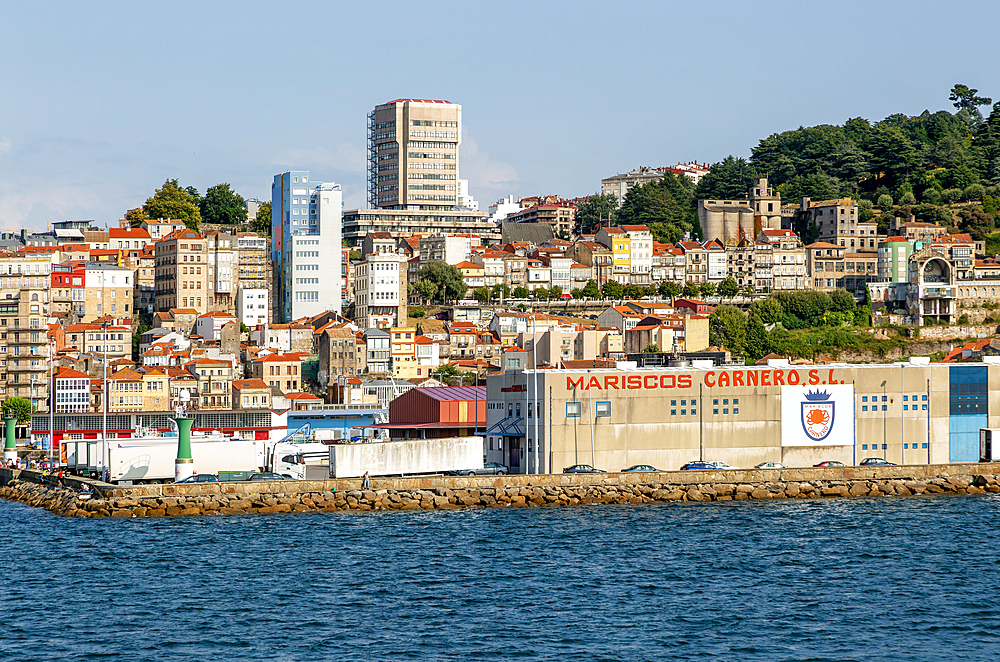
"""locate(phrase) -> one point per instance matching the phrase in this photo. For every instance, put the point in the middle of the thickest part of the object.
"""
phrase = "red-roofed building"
(282, 371)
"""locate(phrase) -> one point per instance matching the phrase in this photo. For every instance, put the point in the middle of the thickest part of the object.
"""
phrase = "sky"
(101, 102)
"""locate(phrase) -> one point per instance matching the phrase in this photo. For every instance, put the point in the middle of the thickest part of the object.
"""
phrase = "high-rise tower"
(413, 154)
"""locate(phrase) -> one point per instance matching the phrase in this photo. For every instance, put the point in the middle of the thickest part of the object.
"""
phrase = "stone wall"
(444, 492)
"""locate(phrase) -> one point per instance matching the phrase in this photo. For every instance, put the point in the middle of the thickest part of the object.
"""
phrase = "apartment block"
(380, 291)
(413, 154)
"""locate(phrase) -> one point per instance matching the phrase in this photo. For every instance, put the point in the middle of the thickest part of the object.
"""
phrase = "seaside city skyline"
(105, 114)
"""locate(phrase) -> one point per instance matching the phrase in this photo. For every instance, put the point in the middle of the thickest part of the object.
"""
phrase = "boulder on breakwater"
(67, 502)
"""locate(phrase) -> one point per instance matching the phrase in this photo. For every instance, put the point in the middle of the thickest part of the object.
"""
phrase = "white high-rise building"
(305, 246)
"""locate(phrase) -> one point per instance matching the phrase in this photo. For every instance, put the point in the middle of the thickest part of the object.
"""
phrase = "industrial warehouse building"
(799, 415)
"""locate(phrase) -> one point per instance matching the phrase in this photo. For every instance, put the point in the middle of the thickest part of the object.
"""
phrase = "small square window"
(864, 407)
(924, 407)
(884, 446)
(864, 398)
(604, 408)
(684, 412)
(864, 447)
(673, 412)
(683, 402)
(736, 410)
(715, 401)
(924, 445)
(573, 409)
(885, 398)
(725, 411)
(904, 398)
(905, 407)
(673, 403)
(725, 401)
(694, 412)
(924, 398)
(736, 401)
(885, 408)
(715, 412)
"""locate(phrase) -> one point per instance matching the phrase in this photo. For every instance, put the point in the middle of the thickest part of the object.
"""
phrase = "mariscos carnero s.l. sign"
(710, 378)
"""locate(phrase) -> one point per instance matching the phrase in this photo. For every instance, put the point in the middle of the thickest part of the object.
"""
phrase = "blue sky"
(103, 101)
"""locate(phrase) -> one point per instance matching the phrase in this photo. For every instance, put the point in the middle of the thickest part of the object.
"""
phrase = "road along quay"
(447, 492)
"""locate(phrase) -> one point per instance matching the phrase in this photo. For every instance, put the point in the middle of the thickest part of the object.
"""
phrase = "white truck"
(406, 457)
(151, 459)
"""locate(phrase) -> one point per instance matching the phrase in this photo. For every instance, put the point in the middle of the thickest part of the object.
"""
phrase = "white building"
(380, 291)
(451, 248)
(466, 201)
(209, 326)
(252, 305)
(503, 208)
(305, 245)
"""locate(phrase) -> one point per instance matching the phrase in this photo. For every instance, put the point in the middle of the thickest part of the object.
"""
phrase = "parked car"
(200, 478)
(582, 469)
(489, 469)
(266, 476)
(639, 467)
(829, 463)
(876, 461)
(770, 465)
(714, 465)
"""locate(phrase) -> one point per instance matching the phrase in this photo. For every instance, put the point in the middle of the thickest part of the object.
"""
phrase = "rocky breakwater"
(66, 502)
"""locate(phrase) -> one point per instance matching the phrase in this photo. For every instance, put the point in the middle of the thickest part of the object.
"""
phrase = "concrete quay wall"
(444, 492)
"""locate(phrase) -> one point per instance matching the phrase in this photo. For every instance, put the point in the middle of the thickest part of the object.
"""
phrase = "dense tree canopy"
(665, 206)
(261, 223)
(597, 209)
(173, 202)
(19, 408)
(223, 205)
(440, 281)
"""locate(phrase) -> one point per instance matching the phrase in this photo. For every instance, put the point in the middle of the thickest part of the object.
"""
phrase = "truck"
(405, 457)
(151, 460)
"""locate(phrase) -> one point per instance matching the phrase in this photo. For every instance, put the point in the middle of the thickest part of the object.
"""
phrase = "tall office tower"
(305, 246)
(413, 155)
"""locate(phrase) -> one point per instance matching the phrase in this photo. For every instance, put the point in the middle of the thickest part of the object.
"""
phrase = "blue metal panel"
(963, 435)
(968, 407)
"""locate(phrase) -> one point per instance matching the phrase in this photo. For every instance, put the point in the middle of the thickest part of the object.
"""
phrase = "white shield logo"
(817, 419)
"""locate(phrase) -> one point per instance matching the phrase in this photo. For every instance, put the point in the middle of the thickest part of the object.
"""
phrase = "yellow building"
(155, 391)
(403, 351)
(620, 244)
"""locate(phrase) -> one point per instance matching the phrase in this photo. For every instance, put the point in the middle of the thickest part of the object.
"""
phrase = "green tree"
(555, 292)
(354, 254)
(651, 348)
(768, 310)
(612, 290)
(173, 202)
(261, 223)
(576, 293)
(427, 289)
(540, 293)
(135, 217)
(727, 327)
(590, 290)
(19, 408)
(965, 98)
(884, 202)
(501, 291)
(707, 289)
(595, 210)
(482, 295)
(449, 285)
(669, 290)
(632, 291)
(730, 179)
(521, 292)
(728, 288)
(691, 290)
(758, 343)
(137, 336)
(908, 198)
(665, 206)
(223, 205)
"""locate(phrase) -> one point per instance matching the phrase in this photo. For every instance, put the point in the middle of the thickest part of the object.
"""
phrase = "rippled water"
(846, 579)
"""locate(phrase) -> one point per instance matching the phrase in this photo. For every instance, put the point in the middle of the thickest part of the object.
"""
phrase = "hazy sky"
(100, 102)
